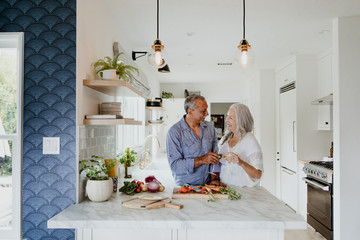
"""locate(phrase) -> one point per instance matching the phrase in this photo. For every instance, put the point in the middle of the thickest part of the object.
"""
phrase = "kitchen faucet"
(145, 155)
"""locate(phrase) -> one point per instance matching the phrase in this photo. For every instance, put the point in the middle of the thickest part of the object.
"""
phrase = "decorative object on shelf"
(110, 108)
(154, 102)
(124, 72)
(186, 93)
(157, 55)
(127, 159)
(167, 95)
(99, 186)
(245, 56)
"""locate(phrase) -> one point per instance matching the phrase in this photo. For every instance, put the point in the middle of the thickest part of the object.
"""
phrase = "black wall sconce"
(137, 54)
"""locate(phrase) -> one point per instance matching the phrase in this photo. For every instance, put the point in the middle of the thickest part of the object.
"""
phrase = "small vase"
(109, 74)
(99, 190)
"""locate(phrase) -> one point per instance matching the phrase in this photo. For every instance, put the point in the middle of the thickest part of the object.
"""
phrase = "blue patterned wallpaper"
(48, 184)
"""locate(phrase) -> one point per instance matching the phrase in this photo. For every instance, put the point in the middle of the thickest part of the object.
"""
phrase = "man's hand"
(209, 158)
(215, 180)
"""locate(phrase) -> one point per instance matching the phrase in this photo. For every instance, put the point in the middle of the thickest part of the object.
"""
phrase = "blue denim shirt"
(182, 146)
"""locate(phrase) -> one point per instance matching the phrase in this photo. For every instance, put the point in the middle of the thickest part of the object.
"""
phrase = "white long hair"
(244, 121)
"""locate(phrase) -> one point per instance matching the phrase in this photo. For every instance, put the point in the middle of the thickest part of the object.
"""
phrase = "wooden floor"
(308, 234)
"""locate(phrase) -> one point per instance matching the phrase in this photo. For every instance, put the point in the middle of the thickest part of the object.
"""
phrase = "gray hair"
(190, 101)
(244, 121)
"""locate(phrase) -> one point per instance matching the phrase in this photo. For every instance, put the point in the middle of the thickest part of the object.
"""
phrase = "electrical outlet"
(51, 145)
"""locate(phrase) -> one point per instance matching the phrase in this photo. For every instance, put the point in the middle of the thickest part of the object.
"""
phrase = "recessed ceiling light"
(225, 64)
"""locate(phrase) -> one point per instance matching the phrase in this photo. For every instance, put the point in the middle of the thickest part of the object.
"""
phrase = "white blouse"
(248, 149)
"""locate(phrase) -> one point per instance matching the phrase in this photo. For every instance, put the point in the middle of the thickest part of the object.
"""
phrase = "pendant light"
(157, 56)
(244, 56)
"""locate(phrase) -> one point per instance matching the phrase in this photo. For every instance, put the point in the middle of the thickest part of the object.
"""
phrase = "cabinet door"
(287, 74)
(289, 189)
(287, 115)
(325, 75)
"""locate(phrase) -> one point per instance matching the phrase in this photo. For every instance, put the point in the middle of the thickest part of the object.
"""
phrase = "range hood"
(327, 100)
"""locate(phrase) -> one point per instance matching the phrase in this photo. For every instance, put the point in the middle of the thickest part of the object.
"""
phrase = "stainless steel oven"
(319, 182)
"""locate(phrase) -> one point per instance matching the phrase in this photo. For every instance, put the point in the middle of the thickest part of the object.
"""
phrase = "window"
(11, 89)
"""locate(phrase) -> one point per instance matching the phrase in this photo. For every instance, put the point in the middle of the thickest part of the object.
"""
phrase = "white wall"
(267, 138)
(95, 38)
(213, 92)
(346, 83)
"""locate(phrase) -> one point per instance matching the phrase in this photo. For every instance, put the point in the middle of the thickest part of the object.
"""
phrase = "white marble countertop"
(257, 209)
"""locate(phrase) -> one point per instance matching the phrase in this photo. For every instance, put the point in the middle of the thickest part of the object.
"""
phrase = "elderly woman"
(243, 164)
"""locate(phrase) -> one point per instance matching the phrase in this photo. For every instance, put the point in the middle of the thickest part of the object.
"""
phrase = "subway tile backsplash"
(95, 140)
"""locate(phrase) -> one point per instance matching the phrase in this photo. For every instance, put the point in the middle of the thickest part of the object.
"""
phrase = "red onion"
(153, 186)
(152, 179)
(149, 179)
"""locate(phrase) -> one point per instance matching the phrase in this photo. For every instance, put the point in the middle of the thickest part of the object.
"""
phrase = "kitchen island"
(257, 215)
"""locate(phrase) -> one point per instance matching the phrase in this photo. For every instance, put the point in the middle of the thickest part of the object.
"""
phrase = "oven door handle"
(316, 184)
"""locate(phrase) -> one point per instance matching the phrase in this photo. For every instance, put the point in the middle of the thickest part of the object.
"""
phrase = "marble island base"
(258, 215)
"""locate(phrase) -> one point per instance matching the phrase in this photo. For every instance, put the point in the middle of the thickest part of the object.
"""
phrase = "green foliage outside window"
(8, 86)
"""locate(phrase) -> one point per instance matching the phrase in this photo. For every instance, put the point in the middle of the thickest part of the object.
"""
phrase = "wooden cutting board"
(138, 203)
(195, 195)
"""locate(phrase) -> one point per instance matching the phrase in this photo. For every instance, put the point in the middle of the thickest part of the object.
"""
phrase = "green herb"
(233, 195)
(96, 169)
(129, 188)
(212, 198)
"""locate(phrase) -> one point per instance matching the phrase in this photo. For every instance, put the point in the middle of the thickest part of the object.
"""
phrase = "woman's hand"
(250, 170)
(232, 157)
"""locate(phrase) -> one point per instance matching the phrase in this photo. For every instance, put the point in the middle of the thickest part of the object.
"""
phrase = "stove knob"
(323, 175)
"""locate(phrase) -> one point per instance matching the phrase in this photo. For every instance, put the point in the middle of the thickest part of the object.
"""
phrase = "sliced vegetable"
(153, 186)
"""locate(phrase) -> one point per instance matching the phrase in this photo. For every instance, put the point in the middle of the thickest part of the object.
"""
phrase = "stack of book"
(110, 108)
(104, 116)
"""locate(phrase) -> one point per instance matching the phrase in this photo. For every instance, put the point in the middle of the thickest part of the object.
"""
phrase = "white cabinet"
(287, 111)
(288, 157)
(325, 89)
(287, 74)
(325, 74)
(289, 190)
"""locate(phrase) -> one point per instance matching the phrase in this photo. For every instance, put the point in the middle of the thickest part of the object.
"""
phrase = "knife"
(144, 206)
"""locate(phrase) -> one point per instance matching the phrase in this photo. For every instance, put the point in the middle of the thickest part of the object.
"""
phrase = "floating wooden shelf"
(113, 87)
(123, 121)
(154, 124)
(154, 108)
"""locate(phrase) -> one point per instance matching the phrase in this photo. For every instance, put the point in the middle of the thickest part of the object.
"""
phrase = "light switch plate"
(51, 145)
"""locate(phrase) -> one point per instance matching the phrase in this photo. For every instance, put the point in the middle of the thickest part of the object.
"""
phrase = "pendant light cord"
(243, 19)
(157, 19)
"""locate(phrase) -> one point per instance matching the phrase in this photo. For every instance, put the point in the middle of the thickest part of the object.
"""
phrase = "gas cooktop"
(325, 164)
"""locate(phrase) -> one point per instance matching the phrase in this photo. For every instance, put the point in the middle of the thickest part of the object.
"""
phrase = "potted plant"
(117, 67)
(99, 186)
(127, 159)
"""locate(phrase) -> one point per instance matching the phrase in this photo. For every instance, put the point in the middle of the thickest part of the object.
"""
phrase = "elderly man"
(191, 144)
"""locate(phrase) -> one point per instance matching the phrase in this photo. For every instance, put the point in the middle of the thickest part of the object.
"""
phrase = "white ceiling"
(198, 34)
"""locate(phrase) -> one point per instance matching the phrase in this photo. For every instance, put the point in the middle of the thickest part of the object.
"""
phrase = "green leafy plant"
(95, 168)
(167, 95)
(128, 157)
(125, 72)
